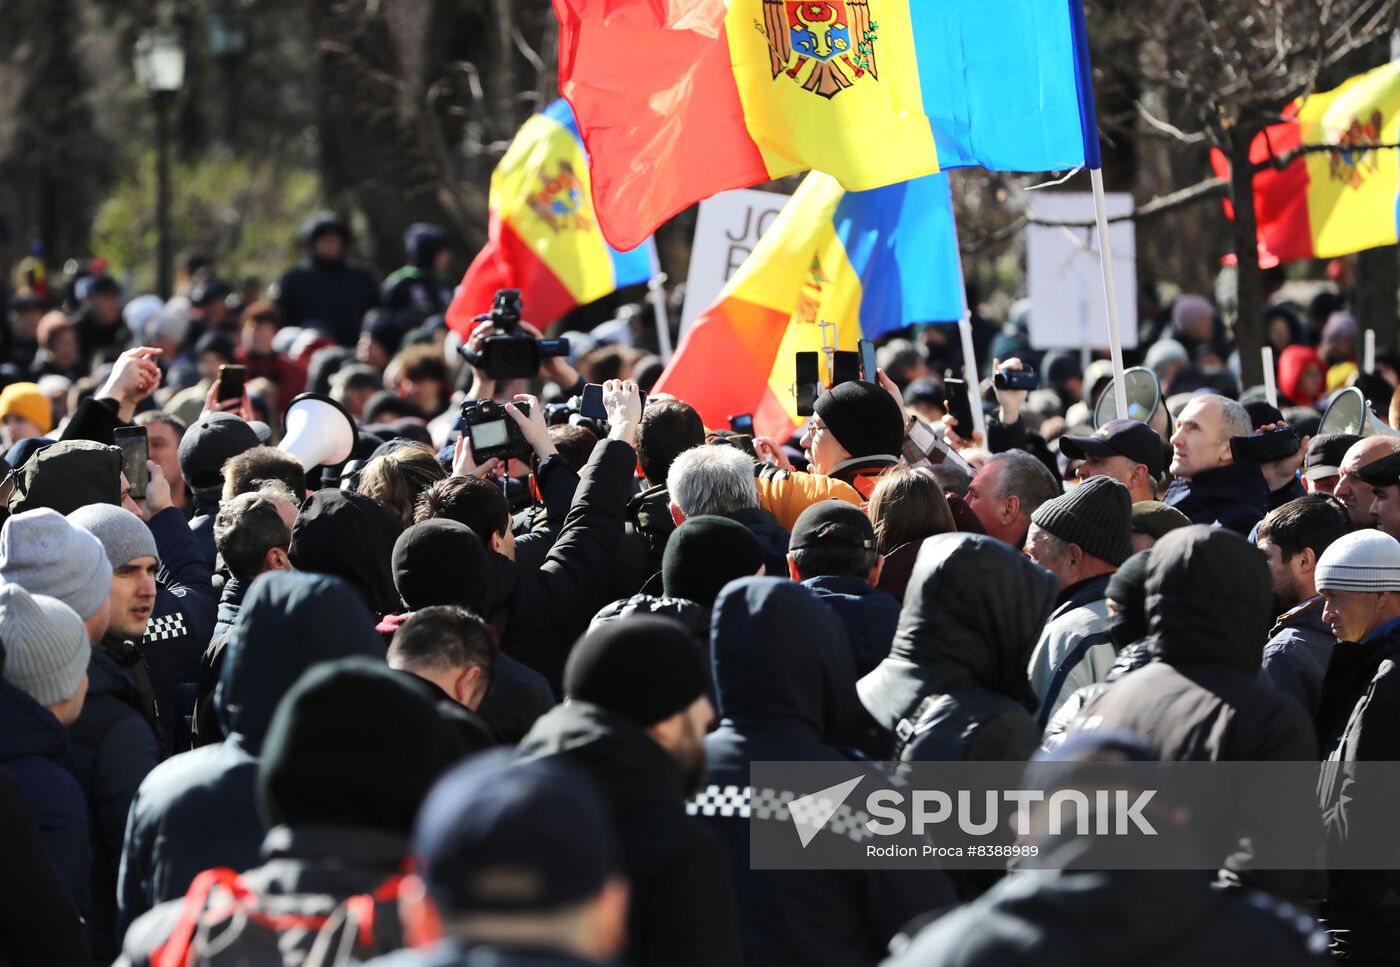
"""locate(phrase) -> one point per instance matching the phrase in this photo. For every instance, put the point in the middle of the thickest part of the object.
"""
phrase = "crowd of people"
(418, 708)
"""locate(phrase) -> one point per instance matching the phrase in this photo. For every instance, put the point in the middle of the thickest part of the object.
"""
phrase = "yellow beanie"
(1340, 375)
(25, 400)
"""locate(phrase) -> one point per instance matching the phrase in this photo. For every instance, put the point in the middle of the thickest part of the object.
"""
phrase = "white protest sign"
(729, 225)
(1065, 281)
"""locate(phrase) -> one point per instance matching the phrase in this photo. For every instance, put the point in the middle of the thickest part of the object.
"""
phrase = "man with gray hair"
(1210, 487)
(1007, 490)
(718, 480)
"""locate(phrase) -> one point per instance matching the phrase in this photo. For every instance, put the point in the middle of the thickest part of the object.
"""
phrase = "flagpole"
(970, 376)
(656, 290)
(1110, 294)
(1368, 358)
(1270, 380)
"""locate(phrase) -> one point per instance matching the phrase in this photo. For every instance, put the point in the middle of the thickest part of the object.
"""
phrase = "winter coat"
(1358, 721)
(1074, 650)
(772, 538)
(1235, 497)
(414, 290)
(518, 696)
(1086, 918)
(206, 508)
(181, 624)
(332, 295)
(1289, 491)
(350, 536)
(870, 616)
(114, 749)
(785, 679)
(308, 870)
(787, 493)
(1297, 653)
(230, 600)
(863, 473)
(649, 526)
(205, 728)
(695, 617)
(33, 751)
(39, 921)
(954, 686)
(682, 902)
(457, 953)
(1208, 602)
(288, 623)
(540, 614)
(557, 482)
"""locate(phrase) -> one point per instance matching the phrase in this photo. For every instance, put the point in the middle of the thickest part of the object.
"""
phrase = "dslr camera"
(511, 353)
(492, 432)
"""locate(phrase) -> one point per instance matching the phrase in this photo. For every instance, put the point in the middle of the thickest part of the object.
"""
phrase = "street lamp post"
(160, 70)
(227, 41)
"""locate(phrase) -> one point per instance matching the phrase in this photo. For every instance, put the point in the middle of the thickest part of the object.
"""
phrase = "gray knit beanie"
(46, 646)
(1097, 515)
(44, 554)
(123, 535)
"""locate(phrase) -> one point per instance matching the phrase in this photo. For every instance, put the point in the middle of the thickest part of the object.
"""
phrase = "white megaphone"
(320, 432)
(1350, 413)
(1144, 402)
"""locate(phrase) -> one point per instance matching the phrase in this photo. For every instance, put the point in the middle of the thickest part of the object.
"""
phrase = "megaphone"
(1144, 402)
(1350, 413)
(320, 432)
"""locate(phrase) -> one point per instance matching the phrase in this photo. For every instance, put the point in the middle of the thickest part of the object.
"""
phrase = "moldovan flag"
(871, 262)
(544, 238)
(1329, 203)
(680, 100)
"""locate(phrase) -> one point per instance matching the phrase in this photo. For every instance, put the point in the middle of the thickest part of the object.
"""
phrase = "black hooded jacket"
(682, 900)
(334, 295)
(1235, 497)
(288, 623)
(955, 686)
(350, 536)
(786, 684)
(1209, 609)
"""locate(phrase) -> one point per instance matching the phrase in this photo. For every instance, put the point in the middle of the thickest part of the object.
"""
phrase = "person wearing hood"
(1210, 487)
(855, 435)
(635, 719)
(44, 659)
(833, 553)
(162, 601)
(1166, 358)
(954, 686)
(1080, 538)
(718, 481)
(1359, 577)
(350, 536)
(516, 695)
(1067, 913)
(1339, 339)
(326, 290)
(703, 555)
(289, 622)
(1200, 699)
(1302, 375)
(337, 791)
(1293, 539)
(67, 475)
(784, 678)
(422, 287)
(206, 446)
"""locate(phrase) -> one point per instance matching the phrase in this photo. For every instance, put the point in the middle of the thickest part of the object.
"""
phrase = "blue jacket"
(197, 810)
(870, 616)
(33, 745)
(1235, 497)
(1297, 654)
(786, 684)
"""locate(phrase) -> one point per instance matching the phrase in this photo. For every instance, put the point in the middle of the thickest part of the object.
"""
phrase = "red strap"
(176, 950)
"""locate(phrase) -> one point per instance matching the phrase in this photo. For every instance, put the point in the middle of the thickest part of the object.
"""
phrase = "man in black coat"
(327, 290)
(337, 791)
(1358, 720)
(1210, 487)
(635, 721)
(1209, 604)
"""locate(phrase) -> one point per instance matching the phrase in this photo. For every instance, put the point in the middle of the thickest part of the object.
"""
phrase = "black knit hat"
(706, 553)
(423, 577)
(1097, 515)
(327, 761)
(864, 419)
(644, 668)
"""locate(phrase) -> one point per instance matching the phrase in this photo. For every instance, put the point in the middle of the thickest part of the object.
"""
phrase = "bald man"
(1352, 491)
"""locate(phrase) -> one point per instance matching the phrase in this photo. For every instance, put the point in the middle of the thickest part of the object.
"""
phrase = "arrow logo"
(812, 812)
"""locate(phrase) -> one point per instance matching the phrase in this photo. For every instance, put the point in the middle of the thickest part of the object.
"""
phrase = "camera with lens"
(511, 353)
(492, 431)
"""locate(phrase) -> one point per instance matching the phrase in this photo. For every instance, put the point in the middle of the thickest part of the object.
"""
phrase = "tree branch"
(1280, 161)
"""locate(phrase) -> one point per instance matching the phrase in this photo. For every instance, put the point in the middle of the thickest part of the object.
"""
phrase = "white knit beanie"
(46, 646)
(1361, 561)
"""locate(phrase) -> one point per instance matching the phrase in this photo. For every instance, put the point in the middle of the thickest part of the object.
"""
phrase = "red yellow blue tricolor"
(1329, 203)
(544, 238)
(870, 262)
(678, 101)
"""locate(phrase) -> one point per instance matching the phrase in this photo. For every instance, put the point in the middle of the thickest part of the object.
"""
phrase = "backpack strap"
(176, 949)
